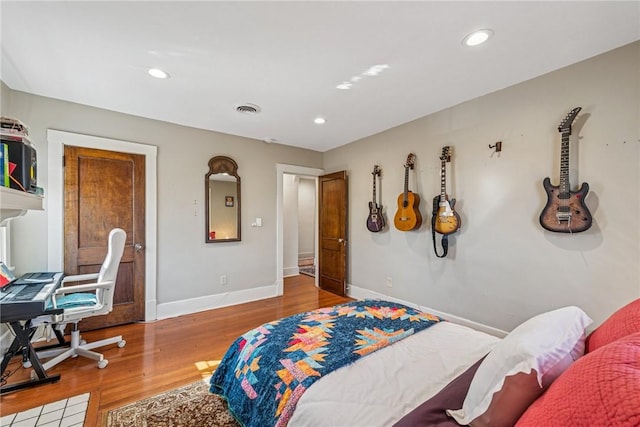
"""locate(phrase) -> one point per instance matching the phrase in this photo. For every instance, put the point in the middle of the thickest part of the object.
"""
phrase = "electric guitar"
(446, 220)
(375, 220)
(565, 211)
(408, 215)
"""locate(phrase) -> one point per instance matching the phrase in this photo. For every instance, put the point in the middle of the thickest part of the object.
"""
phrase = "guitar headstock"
(411, 160)
(446, 154)
(565, 126)
(376, 170)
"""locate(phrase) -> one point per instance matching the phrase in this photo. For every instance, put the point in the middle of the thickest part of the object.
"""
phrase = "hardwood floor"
(161, 355)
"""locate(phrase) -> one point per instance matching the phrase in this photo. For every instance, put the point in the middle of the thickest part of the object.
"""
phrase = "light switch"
(258, 222)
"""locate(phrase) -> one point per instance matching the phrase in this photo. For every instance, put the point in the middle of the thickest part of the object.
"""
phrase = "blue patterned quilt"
(266, 370)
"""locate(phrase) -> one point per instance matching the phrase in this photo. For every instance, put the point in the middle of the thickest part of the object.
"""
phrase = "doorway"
(299, 256)
(55, 203)
(104, 190)
(282, 169)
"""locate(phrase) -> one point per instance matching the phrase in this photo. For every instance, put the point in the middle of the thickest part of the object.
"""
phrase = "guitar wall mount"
(497, 146)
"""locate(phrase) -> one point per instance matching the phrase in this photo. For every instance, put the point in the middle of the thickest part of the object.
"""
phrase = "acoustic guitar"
(447, 220)
(408, 215)
(375, 220)
(565, 211)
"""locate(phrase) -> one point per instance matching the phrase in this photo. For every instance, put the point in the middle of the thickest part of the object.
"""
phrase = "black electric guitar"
(446, 220)
(565, 211)
(375, 220)
(408, 215)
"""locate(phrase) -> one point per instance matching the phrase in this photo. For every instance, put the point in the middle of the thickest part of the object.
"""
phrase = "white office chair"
(85, 300)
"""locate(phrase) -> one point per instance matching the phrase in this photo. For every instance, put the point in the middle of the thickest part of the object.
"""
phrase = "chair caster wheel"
(33, 375)
(122, 343)
(103, 364)
(26, 364)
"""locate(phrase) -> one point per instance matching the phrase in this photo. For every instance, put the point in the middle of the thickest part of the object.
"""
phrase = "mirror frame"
(225, 165)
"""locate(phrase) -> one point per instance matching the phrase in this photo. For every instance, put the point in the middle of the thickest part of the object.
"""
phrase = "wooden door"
(104, 190)
(332, 260)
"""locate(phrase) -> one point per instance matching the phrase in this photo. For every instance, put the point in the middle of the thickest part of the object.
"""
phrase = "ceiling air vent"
(248, 108)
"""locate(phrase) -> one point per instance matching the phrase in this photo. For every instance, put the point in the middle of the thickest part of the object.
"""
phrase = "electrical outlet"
(223, 279)
(389, 282)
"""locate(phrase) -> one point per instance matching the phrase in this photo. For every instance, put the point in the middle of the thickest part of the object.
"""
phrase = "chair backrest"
(109, 270)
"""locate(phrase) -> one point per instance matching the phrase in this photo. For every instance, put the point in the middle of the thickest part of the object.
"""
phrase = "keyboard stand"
(22, 345)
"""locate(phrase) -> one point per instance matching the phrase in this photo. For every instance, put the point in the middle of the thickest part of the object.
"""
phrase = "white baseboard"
(361, 293)
(209, 302)
(290, 271)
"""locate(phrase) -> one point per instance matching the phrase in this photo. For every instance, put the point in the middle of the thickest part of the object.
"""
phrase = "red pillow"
(623, 322)
(600, 389)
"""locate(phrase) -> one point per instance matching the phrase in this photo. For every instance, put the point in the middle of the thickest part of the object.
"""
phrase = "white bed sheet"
(379, 389)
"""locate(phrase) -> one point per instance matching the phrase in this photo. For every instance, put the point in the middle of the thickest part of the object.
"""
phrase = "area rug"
(191, 405)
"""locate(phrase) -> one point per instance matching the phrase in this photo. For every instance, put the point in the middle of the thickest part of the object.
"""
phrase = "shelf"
(15, 203)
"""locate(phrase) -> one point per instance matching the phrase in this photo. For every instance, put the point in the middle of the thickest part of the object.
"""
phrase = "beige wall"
(290, 224)
(307, 218)
(502, 266)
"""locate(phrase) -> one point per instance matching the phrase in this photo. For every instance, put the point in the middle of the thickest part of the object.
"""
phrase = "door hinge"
(64, 161)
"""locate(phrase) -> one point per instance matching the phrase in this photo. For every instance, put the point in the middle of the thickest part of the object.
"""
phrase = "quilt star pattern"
(265, 371)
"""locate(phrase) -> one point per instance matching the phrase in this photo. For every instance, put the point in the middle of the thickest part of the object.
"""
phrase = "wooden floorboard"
(161, 355)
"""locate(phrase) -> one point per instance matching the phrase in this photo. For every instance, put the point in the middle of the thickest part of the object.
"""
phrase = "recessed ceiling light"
(319, 120)
(158, 73)
(477, 37)
(344, 86)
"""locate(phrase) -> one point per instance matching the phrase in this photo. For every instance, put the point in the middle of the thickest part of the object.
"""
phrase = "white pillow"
(543, 343)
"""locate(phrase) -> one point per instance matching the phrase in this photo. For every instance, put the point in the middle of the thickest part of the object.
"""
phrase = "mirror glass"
(222, 201)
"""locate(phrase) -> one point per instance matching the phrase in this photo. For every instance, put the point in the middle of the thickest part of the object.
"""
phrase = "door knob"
(138, 247)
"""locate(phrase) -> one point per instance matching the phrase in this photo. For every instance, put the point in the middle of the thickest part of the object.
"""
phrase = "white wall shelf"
(15, 203)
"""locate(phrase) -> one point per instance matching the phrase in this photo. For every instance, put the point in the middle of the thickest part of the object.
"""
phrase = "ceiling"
(288, 57)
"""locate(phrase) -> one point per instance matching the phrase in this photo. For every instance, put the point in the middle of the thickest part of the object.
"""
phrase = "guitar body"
(408, 215)
(565, 213)
(375, 220)
(447, 220)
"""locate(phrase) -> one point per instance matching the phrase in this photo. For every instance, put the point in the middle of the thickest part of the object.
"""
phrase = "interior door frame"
(281, 169)
(54, 202)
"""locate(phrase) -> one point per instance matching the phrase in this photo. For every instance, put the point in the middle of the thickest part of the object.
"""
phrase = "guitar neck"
(443, 185)
(406, 184)
(565, 188)
(374, 188)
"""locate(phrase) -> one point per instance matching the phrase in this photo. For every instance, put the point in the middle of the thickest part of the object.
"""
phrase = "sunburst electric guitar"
(446, 219)
(408, 216)
(565, 211)
(375, 220)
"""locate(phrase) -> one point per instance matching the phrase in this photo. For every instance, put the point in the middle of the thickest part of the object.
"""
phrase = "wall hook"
(497, 146)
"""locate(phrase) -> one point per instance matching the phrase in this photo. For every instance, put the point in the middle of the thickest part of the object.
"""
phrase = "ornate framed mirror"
(222, 201)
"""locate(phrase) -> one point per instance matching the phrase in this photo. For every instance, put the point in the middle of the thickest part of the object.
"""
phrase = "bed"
(401, 367)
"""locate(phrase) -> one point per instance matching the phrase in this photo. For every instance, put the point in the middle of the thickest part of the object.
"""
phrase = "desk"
(17, 315)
